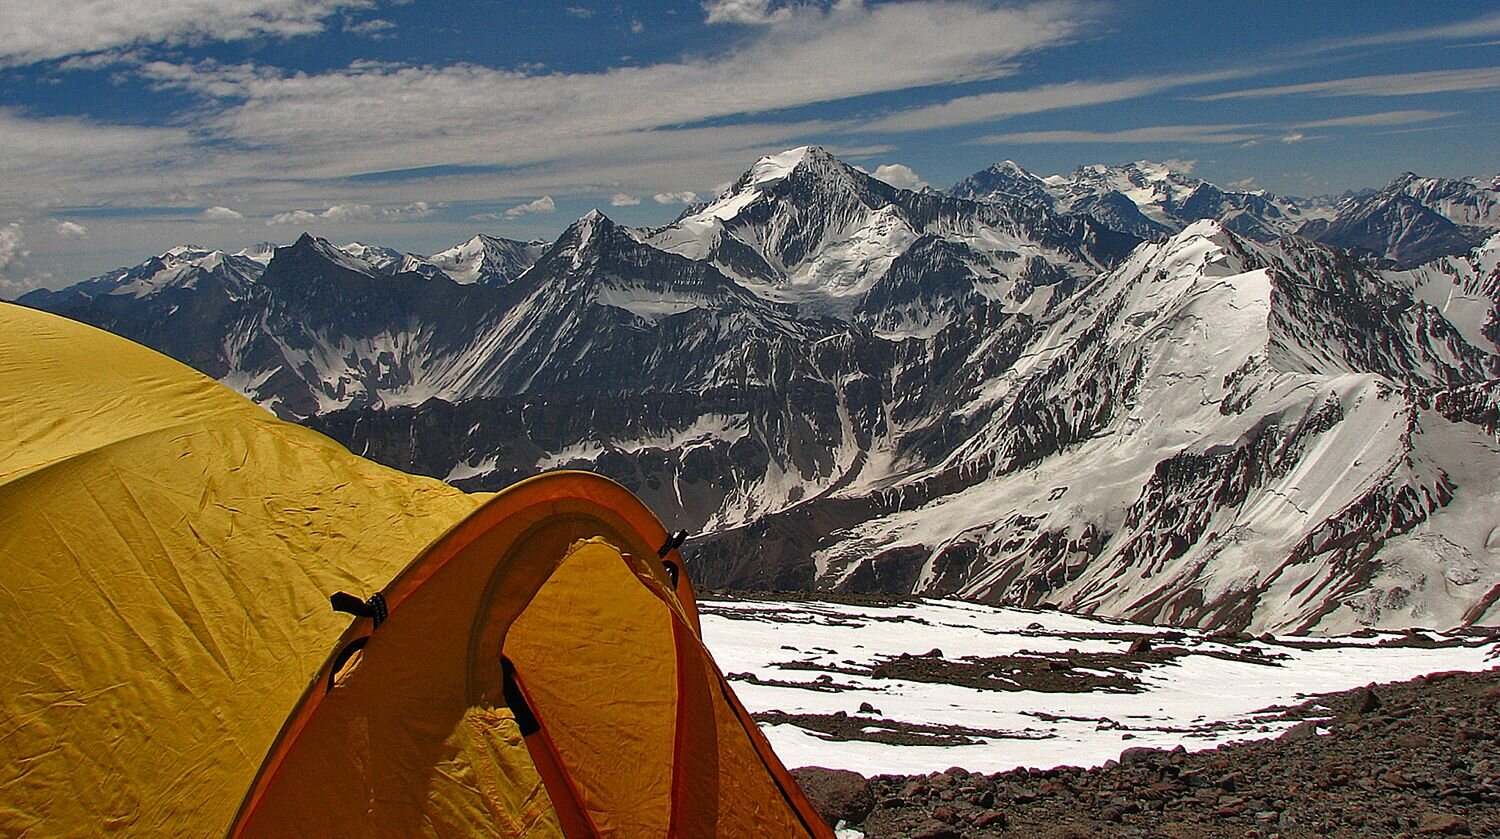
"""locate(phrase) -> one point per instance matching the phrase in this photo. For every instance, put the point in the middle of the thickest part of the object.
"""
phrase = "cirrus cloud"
(41, 31)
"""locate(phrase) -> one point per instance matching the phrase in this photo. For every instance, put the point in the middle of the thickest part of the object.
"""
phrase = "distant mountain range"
(1411, 221)
(1125, 391)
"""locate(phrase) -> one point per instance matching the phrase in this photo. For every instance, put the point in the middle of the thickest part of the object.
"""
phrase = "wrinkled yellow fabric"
(595, 651)
(488, 786)
(167, 549)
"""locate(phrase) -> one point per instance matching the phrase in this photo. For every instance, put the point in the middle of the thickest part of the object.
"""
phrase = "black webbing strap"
(673, 542)
(374, 608)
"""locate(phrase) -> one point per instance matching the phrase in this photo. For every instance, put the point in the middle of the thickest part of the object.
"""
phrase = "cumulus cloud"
(620, 199)
(579, 11)
(350, 213)
(414, 210)
(750, 12)
(377, 29)
(636, 26)
(684, 197)
(222, 214)
(12, 245)
(292, 217)
(71, 230)
(541, 206)
(899, 175)
(42, 31)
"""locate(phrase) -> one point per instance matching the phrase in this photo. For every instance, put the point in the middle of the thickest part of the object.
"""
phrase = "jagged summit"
(804, 227)
(487, 260)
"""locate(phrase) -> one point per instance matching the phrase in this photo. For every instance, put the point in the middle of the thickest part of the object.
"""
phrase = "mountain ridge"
(843, 385)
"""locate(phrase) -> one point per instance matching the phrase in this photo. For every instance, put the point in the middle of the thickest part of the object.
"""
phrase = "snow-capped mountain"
(186, 268)
(1414, 220)
(1203, 437)
(1149, 200)
(803, 227)
(838, 384)
(389, 261)
(488, 260)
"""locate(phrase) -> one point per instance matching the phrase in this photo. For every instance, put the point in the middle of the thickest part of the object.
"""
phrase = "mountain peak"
(310, 246)
(773, 169)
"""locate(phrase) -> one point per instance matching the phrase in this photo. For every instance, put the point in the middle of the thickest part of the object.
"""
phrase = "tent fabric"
(638, 732)
(166, 553)
(171, 665)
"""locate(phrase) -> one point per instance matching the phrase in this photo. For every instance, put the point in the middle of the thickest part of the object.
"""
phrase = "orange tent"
(171, 665)
(543, 619)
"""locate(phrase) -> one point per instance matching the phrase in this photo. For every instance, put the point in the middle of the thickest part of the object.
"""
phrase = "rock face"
(1416, 220)
(842, 385)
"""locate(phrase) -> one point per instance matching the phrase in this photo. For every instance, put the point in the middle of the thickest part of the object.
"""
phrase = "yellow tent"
(171, 666)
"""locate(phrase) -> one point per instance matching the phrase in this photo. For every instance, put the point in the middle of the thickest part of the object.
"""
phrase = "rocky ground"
(1412, 759)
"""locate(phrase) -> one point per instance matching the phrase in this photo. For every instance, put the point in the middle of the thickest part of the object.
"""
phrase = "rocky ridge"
(1411, 759)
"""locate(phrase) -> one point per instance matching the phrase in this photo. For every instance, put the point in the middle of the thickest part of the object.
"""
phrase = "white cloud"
(899, 175)
(1395, 84)
(636, 26)
(42, 31)
(988, 107)
(818, 56)
(293, 217)
(343, 214)
(62, 161)
(1382, 118)
(1293, 137)
(12, 245)
(414, 210)
(1486, 25)
(1151, 134)
(348, 212)
(620, 199)
(71, 230)
(751, 12)
(579, 11)
(1177, 164)
(541, 206)
(377, 29)
(222, 214)
(684, 197)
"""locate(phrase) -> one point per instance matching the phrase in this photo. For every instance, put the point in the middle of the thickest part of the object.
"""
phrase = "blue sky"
(128, 127)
